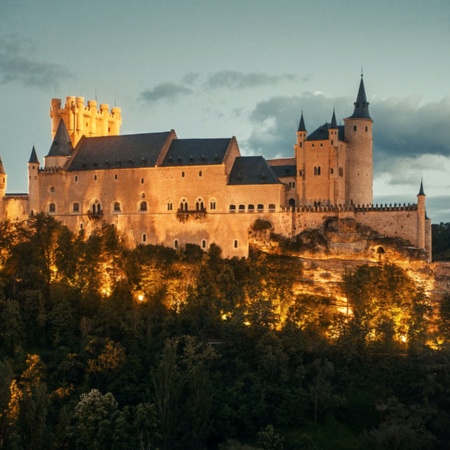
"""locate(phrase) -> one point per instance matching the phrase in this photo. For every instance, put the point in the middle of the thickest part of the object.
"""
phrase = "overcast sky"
(244, 68)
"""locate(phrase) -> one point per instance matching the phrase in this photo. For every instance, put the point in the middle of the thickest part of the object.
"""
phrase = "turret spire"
(33, 157)
(61, 145)
(421, 191)
(333, 120)
(301, 125)
(361, 110)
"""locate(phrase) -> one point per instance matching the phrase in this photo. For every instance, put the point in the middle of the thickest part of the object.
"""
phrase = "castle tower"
(358, 159)
(421, 217)
(61, 148)
(33, 183)
(335, 182)
(299, 152)
(85, 121)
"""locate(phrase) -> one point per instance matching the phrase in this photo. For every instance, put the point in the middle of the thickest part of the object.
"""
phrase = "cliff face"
(344, 244)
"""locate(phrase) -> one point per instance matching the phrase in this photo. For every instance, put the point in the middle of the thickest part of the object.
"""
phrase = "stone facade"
(158, 189)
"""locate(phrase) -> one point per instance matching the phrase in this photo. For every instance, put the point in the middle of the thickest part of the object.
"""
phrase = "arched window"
(271, 207)
(143, 206)
(241, 208)
(291, 203)
(184, 205)
(260, 207)
(52, 208)
(251, 208)
(116, 207)
(96, 207)
(232, 208)
(199, 205)
(212, 204)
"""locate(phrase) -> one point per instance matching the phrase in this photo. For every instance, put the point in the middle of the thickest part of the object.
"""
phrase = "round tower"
(33, 183)
(358, 160)
(55, 114)
(299, 152)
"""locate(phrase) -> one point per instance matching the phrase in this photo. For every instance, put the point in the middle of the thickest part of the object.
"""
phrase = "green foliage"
(441, 241)
(157, 348)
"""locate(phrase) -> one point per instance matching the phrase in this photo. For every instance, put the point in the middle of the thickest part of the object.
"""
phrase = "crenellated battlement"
(353, 208)
(85, 120)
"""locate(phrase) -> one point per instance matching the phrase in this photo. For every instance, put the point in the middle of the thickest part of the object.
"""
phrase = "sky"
(244, 68)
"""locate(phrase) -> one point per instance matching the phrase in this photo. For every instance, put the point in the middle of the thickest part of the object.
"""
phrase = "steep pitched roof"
(322, 133)
(115, 152)
(333, 124)
(191, 152)
(301, 125)
(361, 110)
(421, 191)
(61, 145)
(251, 170)
(33, 157)
(2, 169)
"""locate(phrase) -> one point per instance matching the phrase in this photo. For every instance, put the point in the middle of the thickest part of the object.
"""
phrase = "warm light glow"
(140, 297)
(403, 338)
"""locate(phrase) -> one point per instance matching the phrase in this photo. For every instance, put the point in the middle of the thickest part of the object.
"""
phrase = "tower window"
(142, 181)
(182, 174)
(169, 206)
(354, 128)
(341, 172)
(143, 206)
(115, 176)
(200, 173)
(52, 208)
(367, 128)
(75, 207)
(144, 237)
(95, 177)
(116, 207)
(175, 243)
(76, 177)
(203, 243)
(236, 243)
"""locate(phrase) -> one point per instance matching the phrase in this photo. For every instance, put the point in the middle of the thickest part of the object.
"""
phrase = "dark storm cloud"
(165, 91)
(404, 130)
(17, 64)
(238, 80)
(275, 121)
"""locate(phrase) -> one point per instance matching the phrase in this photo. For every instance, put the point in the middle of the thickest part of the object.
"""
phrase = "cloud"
(232, 79)
(165, 91)
(406, 132)
(18, 65)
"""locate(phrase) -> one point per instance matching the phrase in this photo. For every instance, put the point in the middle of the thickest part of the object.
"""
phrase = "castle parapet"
(84, 120)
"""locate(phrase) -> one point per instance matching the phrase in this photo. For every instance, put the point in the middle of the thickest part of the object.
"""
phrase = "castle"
(158, 189)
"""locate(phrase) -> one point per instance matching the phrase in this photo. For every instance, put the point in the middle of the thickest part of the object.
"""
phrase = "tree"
(94, 418)
(388, 308)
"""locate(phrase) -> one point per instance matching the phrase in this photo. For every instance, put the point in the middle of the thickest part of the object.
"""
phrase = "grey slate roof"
(251, 170)
(2, 170)
(284, 171)
(301, 125)
(61, 145)
(361, 110)
(191, 152)
(322, 133)
(115, 152)
(33, 157)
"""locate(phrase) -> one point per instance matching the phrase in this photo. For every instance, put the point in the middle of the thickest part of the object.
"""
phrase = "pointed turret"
(61, 148)
(421, 191)
(3, 178)
(61, 145)
(361, 110)
(301, 125)
(333, 121)
(2, 169)
(33, 157)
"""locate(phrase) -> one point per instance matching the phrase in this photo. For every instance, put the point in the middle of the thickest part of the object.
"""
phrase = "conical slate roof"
(361, 110)
(421, 191)
(2, 169)
(301, 125)
(333, 124)
(61, 145)
(33, 157)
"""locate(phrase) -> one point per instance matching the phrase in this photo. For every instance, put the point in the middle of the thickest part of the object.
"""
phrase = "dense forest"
(102, 347)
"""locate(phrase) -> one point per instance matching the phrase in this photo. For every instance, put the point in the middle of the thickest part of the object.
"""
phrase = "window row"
(251, 208)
